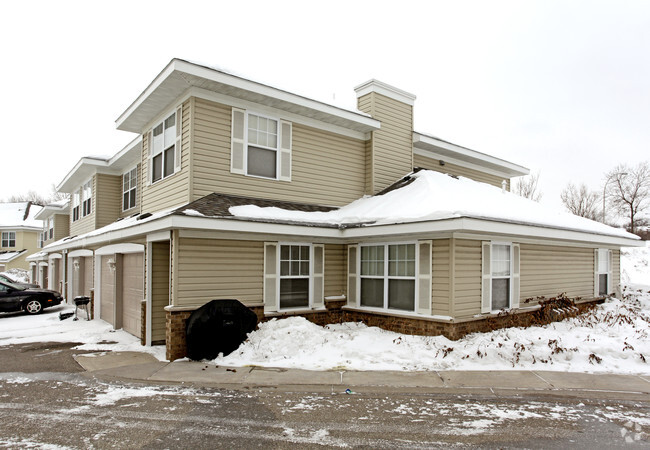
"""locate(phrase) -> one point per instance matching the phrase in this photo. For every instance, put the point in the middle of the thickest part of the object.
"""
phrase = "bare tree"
(30, 196)
(581, 201)
(528, 187)
(628, 189)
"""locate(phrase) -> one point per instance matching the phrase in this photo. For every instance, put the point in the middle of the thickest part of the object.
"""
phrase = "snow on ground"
(635, 266)
(19, 328)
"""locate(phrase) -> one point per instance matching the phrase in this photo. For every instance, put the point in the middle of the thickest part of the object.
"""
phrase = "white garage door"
(107, 290)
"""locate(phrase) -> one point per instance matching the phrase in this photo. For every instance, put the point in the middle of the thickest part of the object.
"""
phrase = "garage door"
(132, 291)
(107, 295)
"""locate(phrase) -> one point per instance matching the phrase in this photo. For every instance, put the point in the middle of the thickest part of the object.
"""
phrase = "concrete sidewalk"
(144, 367)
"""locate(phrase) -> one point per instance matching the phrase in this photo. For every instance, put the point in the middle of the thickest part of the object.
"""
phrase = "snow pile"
(436, 196)
(614, 337)
(19, 328)
(635, 267)
(19, 275)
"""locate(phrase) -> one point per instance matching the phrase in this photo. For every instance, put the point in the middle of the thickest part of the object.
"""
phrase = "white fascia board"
(461, 163)
(130, 153)
(85, 168)
(273, 112)
(119, 248)
(49, 210)
(184, 67)
(386, 90)
(513, 169)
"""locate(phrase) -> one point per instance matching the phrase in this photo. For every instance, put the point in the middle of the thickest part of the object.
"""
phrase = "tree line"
(625, 193)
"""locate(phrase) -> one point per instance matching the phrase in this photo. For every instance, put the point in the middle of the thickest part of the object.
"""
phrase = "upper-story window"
(165, 147)
(76, 202)
(261, 146)
(50, 227)
(129, 189)
(41, 239)
(87, 195)
(9, 239)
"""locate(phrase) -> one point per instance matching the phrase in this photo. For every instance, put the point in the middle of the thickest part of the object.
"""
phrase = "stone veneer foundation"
(337, 313)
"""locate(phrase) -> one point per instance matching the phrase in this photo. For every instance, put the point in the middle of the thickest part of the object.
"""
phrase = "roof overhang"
(179, 76)
(50, 210)
(446, 151)
(10, 256)
(90, 165)
(247, 229)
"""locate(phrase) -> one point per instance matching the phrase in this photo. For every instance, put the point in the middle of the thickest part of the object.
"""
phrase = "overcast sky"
(561, 87)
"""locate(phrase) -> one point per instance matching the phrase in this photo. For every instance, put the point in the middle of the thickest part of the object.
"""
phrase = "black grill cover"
(219, 326)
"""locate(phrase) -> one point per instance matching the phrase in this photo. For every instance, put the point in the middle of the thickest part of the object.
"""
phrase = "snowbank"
(635, 267)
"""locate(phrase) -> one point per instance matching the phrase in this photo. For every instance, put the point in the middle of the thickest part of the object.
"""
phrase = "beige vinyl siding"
(441, 277)
(89, 270)
(27, 240)
(61, 226)
(159, 290)
(174, 189)
(453, 169)
(84, 224)
(551, 270)
(211, 269)
(109, 199)
(317, 157)
(616, 271)
(335, 269)
(138, 194)
(467, 278)
(392, 145)
(107, 297)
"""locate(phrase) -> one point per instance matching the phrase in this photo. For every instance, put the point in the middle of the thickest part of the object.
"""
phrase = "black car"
(6, 278)
(30, 300)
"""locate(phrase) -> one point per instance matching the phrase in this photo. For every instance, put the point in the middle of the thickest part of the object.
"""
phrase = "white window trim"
(310, 294)
(608, 254)
(50, 228)
(386, 277)
(76, 203)
(178, 141)
(8, 239)
(279, 149)
(137, 176)
(509, 277)
(83, 199)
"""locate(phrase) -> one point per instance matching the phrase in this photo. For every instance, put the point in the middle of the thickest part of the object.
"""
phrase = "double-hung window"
(41, 239)
(261, 146)
(76, 202)
(603, 272)
(9, 239)
(129, 189)
(165, 147)
(501, 275)
(86, 201)
(294, 276)
(50, 226)
(388, 276)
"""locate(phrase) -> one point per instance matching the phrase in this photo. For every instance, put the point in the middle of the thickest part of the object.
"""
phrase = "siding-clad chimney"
(390, 149)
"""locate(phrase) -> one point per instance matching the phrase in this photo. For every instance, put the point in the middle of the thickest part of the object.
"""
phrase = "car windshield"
(5, 284)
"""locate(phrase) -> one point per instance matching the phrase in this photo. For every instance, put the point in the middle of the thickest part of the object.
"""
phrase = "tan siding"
(159, 289)
(317, 157)
(616, 271)
(441, 274)
(453, 169)
(170, 191)
(214, 269)
(392, 145)
(107, 297)
(108, 199)
(467, 278)
(550, 270)
(61, 226)
(335, 269)
(24, 240)
(89, 270)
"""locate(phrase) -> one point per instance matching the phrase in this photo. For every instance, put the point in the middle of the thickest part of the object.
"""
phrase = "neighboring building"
(20, 234)
(234, 189)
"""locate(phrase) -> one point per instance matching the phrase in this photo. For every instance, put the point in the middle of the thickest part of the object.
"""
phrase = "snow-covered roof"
(57, 207)
(20, 215)
(38, 256)
(5, 257)
(429, 196)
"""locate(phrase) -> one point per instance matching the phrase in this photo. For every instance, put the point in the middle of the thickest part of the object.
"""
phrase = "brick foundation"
(335, 313)
(143, 322)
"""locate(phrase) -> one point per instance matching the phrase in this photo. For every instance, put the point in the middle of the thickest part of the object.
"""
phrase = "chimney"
(389, 151)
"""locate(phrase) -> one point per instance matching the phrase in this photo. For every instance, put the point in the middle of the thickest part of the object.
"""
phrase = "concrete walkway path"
(144, 367)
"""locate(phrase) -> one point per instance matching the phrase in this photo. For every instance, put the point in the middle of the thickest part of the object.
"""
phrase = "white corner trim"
(385, 89)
